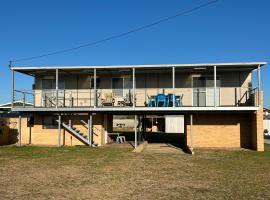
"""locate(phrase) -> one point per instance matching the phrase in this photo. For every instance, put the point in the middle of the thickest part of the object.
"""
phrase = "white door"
(174, 123)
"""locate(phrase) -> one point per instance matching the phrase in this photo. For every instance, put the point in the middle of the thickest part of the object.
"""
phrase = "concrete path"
(162, 148)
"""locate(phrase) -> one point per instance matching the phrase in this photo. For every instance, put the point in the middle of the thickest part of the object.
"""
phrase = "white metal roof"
(236, 64)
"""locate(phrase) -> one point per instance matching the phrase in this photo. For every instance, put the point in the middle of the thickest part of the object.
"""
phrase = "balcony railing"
(141, 97)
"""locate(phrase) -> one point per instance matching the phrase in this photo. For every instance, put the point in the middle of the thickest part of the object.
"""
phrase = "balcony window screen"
(49, 84)
(121, 86)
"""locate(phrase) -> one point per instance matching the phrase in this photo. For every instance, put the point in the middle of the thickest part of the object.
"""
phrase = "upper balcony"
(204, 87)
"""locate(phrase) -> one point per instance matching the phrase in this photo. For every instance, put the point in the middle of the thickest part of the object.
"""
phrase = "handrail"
(24, 92)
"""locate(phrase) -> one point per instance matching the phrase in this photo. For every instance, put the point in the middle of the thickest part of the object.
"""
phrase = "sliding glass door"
(121, 86)
(203, 91)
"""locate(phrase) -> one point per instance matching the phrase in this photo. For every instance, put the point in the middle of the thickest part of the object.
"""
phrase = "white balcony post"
(56, 87)
(90, 130)
(191, 124)
(135, 132)
(259, 84)
(20, 131)
(59, 130)
(12, 88)
(215, 86)
(133, 87)
(95, 88)
(173, 85)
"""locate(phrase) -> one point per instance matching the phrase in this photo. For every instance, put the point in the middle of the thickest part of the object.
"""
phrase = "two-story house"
(220, 102)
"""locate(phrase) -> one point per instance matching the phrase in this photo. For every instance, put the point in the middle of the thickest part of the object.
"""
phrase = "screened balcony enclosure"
(141, 86)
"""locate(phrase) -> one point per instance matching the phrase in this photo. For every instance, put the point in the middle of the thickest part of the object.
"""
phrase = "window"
(49, 122)
(49, 84)
(121, 86)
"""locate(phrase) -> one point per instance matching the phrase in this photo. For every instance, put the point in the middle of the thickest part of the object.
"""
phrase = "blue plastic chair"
(161, 100)
(151, 101)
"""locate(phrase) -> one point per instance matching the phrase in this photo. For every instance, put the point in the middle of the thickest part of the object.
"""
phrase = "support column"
(133, 87)
(259, 84)
(20, 131)
(191, 124)
(56, 87)
(95, 88)
(135, 130)
(215, 86)
(30, 130)
(12, 87)
(173, 85)
(90, 130)
(59, 130)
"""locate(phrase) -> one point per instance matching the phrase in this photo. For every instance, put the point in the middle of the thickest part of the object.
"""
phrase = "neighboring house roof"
(15, 103)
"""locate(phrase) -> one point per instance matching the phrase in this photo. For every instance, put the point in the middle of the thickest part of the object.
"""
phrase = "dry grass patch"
(111, 173)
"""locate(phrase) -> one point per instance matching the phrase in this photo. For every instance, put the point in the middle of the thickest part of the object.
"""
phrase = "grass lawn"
(111, 173)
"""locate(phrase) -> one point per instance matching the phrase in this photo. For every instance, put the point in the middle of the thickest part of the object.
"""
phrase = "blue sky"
(227, 31)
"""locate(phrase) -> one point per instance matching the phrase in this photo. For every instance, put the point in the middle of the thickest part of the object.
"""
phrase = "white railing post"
(173, 85)
(95, 87)
(133, 87)
(215, 86)
(12, 86)
(259, 84)
(56, 87)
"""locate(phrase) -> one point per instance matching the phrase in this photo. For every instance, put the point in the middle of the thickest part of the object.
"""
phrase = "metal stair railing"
(76, 133)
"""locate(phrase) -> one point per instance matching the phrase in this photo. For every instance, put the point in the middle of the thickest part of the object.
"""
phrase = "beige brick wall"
(227, 130)
(49, 137)
(257, 126)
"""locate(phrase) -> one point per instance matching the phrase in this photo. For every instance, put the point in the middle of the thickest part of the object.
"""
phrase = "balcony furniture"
(120, 139)
(177, 100)
(129, 99)
(151, 101)
(161, 100)
(120, 101)
(107, 100)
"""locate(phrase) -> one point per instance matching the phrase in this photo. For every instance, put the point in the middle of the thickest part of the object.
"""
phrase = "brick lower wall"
(49, 137)
(228, 130)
